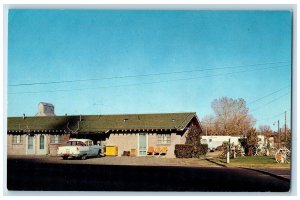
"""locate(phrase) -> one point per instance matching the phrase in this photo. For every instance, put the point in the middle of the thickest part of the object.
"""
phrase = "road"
(34, 175)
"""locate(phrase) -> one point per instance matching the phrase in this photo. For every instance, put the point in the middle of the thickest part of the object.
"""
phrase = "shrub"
(183, 151)
(220, 148)
(251, 141)
(203, 149)
(193, 138)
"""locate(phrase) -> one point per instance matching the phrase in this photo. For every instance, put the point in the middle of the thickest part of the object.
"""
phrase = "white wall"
(215, 141)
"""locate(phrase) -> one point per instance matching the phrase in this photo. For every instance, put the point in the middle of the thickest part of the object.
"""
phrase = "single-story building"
(217, 140)
(214, 141)
(42, 135)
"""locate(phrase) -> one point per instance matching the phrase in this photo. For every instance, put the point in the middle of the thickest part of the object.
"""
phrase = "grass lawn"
(253, 162)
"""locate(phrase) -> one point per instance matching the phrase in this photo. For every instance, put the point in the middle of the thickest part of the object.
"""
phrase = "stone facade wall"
(128, 141)
(152, 140)
(175, 139)
(16, 149)
(124, 142)
(53, 147)
(20, 149)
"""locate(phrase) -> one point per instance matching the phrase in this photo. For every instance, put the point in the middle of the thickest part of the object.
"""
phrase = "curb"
(268, 173)
(215, 162)
(257, 170)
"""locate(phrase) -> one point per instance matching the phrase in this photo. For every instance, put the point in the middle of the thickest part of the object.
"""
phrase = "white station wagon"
(79, 148)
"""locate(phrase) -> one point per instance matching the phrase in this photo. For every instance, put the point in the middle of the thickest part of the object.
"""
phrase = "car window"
(69, 143)
(89, 143)
(81, 143)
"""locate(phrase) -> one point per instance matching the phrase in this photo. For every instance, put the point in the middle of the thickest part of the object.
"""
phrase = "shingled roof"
(101, 123)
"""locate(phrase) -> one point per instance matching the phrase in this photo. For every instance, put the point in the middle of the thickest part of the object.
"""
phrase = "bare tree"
(231, 116)
(208, 124)
(265, 129)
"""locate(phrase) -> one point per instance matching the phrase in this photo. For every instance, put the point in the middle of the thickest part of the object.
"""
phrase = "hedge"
(203, 149)
(183, 150)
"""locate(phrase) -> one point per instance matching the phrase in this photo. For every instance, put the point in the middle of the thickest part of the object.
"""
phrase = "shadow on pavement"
(36, 176)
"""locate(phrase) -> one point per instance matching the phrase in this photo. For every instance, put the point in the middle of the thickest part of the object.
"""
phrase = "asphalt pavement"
(33, 175)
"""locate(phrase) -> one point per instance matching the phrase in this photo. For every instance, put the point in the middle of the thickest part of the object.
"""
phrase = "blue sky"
(149, 61)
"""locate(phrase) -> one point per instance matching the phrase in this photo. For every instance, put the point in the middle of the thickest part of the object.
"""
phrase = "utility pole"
(285, 136)
(278, 135)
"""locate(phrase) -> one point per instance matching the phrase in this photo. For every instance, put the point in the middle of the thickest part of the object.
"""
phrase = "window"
(42, 142)
(89, 143)
(55, 139)
(210, 140)
(75, 143)
(17, 139)
(163, 139)
(30, 142)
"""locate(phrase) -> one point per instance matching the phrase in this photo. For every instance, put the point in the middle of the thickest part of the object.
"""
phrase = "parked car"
(79, 148)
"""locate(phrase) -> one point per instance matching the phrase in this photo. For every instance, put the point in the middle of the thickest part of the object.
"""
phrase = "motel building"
(135, 133)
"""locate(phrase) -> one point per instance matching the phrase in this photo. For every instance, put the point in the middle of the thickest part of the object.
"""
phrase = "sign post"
(228, 152)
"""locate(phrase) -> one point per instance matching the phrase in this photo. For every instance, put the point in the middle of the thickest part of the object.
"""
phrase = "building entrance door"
(42, 150)
(30, 144)
(142, 144)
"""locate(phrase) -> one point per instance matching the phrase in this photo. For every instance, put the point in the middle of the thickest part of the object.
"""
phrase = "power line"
(270, 102)
(279, 114)
(141, 75)
(251, 102)
(148, 83)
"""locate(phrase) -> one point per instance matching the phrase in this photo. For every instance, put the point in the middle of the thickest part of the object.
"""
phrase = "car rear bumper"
(69, 155)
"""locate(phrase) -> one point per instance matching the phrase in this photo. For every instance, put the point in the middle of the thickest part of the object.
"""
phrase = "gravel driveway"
(137, 161)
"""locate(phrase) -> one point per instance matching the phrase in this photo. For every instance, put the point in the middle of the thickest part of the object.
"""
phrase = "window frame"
(163, 139)
(42, 142)
(17, 139)
(55, 139)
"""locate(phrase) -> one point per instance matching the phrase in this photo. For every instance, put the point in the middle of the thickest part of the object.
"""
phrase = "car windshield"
(75, 143)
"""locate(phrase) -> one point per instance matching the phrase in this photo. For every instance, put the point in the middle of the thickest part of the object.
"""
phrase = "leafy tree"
(193, 138)
(251, 141)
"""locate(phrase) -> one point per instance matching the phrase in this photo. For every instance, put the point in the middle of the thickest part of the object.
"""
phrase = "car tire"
(99, 154)
(83, 157)
(64, 157)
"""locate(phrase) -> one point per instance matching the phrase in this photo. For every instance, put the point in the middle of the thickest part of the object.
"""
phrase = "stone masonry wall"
(53, 147)
(20, 149)
(16, 149)
(125, 142)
